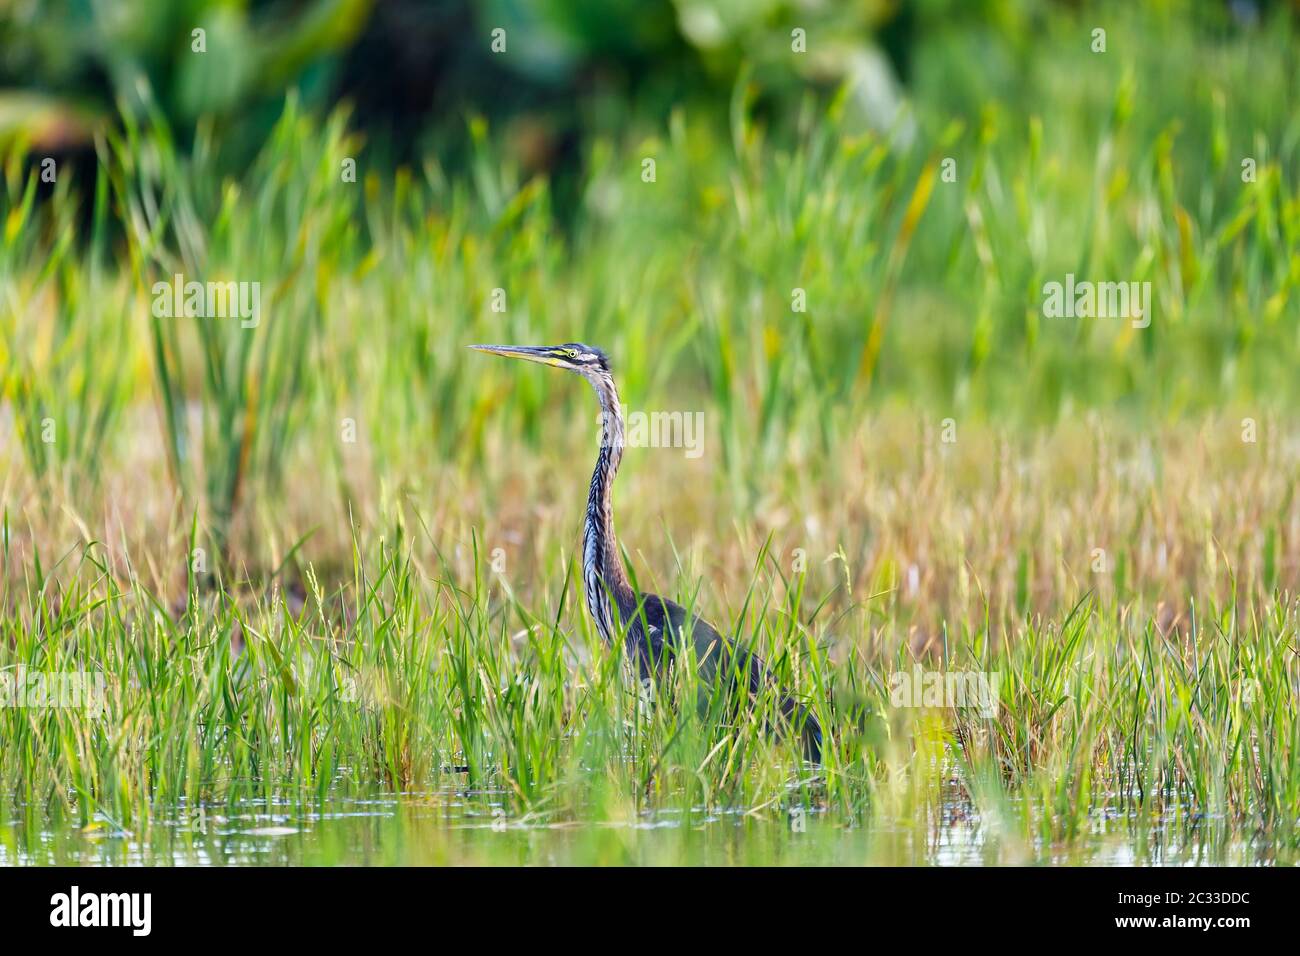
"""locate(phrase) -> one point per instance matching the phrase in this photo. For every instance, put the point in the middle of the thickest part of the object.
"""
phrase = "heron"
(656, 630)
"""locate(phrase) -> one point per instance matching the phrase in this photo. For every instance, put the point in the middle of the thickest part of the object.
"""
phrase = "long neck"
(603, 573)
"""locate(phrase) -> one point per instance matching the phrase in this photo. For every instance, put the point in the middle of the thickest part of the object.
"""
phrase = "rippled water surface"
(472, 827)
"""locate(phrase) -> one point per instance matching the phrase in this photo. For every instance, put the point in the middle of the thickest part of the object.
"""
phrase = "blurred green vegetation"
(68, 66)
(413, 68)
(1123, 165)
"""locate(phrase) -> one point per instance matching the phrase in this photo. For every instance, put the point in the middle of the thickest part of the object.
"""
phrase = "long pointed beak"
(530, 353)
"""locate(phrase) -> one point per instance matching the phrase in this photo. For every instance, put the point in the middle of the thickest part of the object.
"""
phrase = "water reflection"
(474, 827)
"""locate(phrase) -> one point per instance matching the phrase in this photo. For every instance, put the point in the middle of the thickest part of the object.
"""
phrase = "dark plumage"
(714, 653)
(658, 630)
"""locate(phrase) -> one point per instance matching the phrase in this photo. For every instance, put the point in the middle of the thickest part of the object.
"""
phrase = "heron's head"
(586, 360)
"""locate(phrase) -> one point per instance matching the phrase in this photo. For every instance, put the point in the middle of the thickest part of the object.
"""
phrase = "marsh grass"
(405, 680)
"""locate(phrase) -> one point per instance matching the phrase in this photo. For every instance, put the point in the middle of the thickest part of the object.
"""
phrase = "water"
(452, 827)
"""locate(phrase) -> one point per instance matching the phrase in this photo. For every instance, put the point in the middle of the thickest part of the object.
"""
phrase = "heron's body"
(657, 630)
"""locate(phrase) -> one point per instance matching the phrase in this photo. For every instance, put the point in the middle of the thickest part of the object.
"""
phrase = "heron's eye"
(571, 353)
